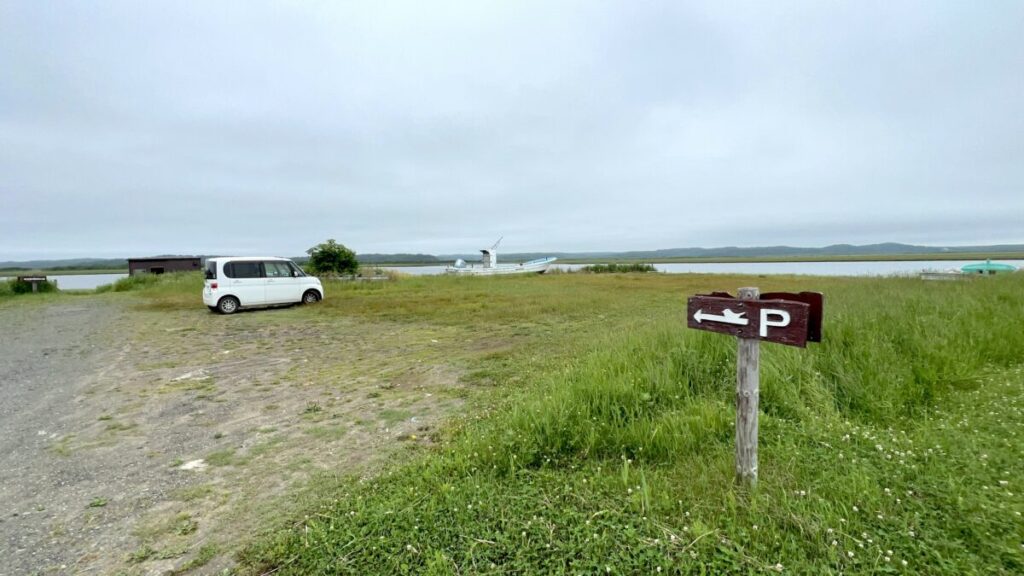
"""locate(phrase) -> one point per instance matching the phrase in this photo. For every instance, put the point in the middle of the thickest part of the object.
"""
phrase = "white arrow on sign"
(728, 317)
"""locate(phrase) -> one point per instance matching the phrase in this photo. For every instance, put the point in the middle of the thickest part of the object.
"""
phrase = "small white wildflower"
(850, 553)
(778, 567)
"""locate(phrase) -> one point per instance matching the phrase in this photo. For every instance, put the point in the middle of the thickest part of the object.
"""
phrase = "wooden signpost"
(782, 317)
(35, 280)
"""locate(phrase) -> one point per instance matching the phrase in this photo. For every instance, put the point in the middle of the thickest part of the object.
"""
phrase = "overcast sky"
(142, 128)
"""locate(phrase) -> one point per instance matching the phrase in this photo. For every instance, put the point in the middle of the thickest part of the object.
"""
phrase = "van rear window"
(211, 270)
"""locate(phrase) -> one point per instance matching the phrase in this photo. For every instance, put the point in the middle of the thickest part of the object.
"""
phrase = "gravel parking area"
(145, 441)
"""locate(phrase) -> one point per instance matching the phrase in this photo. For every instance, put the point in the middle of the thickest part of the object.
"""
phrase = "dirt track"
(146, 441)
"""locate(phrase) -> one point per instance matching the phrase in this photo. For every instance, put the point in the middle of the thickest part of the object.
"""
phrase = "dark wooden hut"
(162, 264)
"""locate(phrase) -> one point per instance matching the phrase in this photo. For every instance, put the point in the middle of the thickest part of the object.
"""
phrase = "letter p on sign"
(781, 320)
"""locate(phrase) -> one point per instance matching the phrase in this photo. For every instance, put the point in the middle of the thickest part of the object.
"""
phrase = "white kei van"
(245, 282)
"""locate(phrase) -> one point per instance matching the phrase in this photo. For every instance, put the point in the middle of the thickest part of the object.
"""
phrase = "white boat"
(489, 265)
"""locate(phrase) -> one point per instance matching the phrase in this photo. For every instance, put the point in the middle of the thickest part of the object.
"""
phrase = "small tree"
(332, 259)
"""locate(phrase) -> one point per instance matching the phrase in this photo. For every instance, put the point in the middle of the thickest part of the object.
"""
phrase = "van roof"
(247, 258)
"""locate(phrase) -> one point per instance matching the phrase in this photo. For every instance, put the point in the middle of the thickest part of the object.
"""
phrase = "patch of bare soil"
(185, 431)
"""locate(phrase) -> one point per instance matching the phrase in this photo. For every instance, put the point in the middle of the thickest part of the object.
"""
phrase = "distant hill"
(838, 250)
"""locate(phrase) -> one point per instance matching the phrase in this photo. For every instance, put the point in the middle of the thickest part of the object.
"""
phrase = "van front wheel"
(311, 297)
(227, 305)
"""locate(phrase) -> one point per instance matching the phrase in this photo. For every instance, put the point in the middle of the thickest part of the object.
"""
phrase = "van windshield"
(296, 271)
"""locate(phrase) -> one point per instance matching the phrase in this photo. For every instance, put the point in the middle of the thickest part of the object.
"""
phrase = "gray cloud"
(141, 128)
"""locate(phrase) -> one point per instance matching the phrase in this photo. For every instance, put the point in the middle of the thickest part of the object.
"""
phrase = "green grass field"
(609, 448)
(598, 434)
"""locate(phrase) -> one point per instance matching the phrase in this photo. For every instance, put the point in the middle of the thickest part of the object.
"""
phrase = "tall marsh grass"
(616, 268)
(890, 352)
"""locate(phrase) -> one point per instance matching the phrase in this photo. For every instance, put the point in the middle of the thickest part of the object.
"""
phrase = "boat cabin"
(490, 258)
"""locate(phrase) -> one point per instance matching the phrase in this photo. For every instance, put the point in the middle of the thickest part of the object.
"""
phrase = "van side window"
(243, 270)
(296, 271)
(277, 269)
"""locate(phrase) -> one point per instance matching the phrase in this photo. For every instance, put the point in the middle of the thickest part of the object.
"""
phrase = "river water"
(887, 268)
(78, 281)
(84, 281)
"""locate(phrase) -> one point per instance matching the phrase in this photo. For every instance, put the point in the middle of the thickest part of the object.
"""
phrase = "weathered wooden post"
(783, 317)
(748, 358)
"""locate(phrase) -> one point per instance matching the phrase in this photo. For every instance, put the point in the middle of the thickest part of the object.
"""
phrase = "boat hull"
(532, 267)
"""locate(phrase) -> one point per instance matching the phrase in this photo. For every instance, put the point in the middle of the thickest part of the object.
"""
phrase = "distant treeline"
(397, 259)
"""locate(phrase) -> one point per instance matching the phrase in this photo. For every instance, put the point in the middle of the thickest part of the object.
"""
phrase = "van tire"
(227, 305)
(311, 297)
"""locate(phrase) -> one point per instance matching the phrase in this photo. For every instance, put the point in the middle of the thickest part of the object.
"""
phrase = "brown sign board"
(32, 278)
(781, 321)
(816, 300)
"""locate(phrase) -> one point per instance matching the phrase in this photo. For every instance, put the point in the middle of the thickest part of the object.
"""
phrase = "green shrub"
(16, 286)
(333, 259)
(618, 268)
